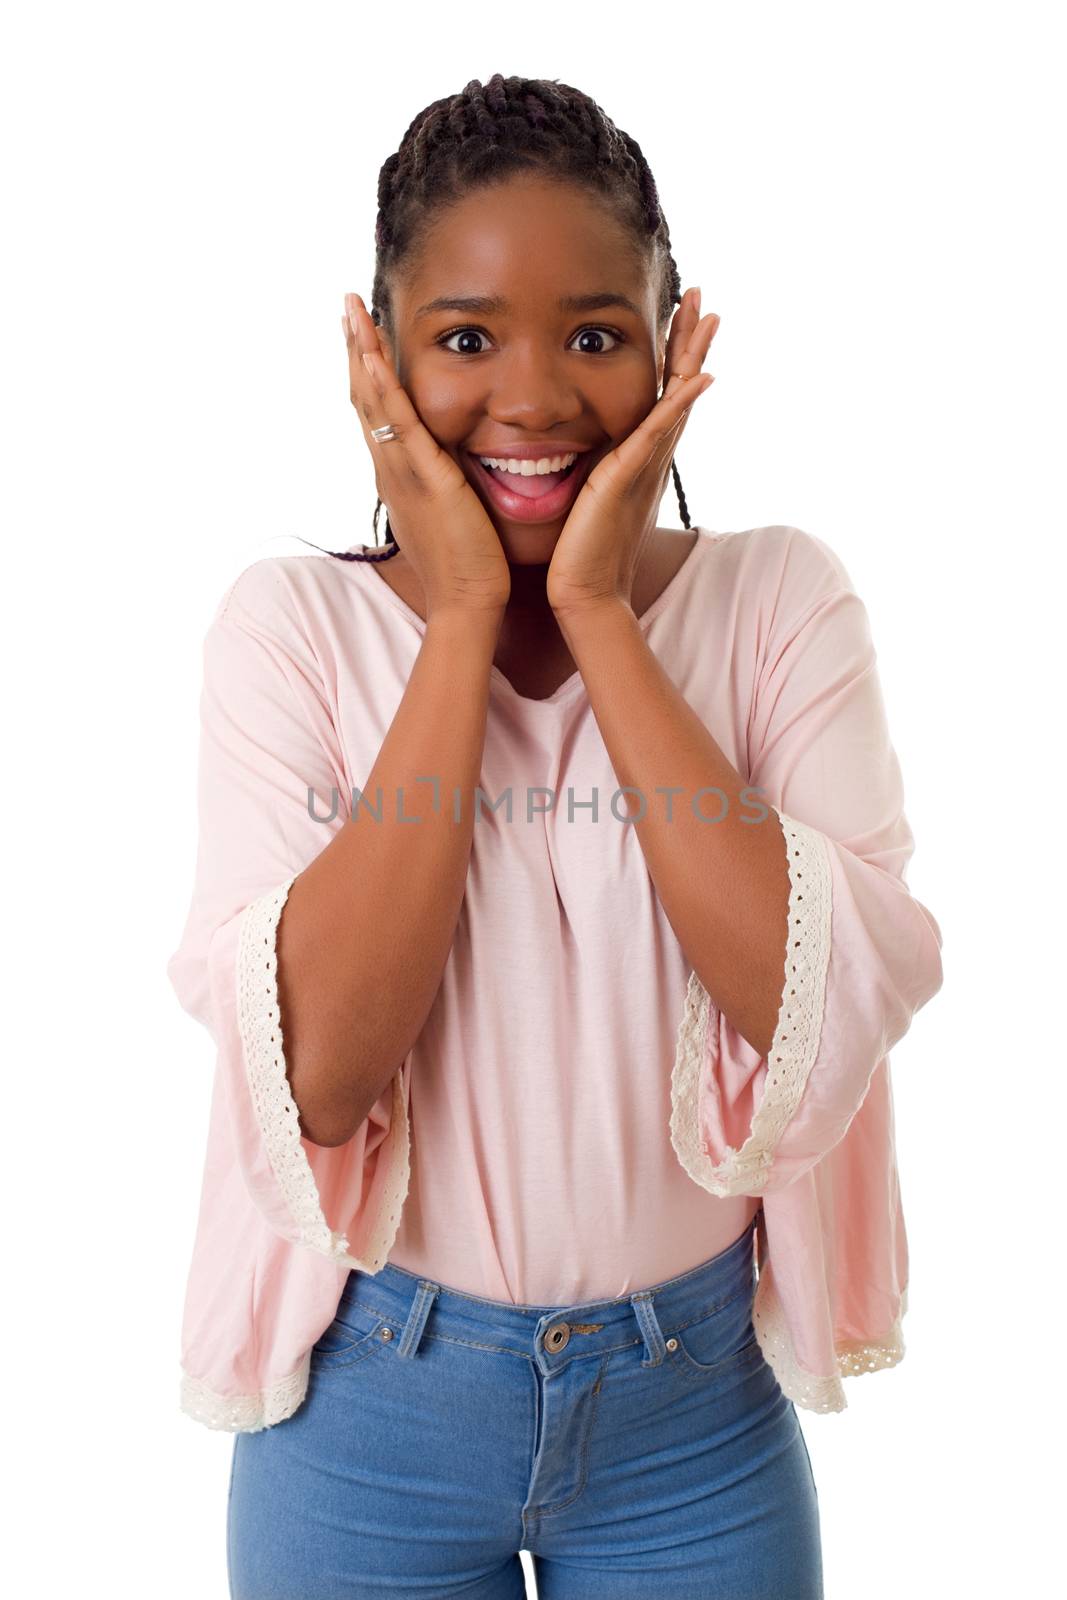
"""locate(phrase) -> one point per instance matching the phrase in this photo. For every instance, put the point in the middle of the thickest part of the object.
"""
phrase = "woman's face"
(522, 372)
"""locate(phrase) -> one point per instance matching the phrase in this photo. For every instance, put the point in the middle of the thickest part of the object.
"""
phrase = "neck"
(528, 592)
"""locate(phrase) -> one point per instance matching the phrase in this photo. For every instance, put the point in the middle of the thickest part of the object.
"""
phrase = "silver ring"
(384, 434)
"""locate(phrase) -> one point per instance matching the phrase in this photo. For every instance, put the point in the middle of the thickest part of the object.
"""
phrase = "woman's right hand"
(440, 524)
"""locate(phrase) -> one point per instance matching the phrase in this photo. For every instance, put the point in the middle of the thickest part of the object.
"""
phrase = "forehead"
(529, 242)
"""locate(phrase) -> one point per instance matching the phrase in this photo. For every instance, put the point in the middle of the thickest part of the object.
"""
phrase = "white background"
(871, 199)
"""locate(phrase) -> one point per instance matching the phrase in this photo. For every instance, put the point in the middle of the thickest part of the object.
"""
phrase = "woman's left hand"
(598, 552)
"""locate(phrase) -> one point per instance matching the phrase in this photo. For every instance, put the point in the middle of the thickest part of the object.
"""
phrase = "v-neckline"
(575, 681)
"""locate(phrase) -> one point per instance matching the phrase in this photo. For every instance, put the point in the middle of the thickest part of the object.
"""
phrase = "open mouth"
(532, 497)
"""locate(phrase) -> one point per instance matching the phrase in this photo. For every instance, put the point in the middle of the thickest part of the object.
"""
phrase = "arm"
(368, 925)
(724, 886)
(312, 950)
(810, 956)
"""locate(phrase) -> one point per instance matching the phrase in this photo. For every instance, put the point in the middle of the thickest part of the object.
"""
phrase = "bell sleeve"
(862, 954)
(271, 795)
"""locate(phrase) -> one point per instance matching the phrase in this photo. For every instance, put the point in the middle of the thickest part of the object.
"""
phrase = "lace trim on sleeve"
(245, 1413)
(796, 1035)
(259, 1019)
(854, 1358)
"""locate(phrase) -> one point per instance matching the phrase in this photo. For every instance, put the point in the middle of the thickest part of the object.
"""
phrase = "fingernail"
(367, 363)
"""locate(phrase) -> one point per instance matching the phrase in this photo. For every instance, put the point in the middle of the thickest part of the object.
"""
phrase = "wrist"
(475, 628)
(573, 617)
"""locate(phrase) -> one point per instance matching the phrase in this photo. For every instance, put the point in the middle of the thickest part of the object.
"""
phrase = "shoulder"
(279, 591)
(783, 560)
(287, 614)
(775, 584)
(779, 574)
(311, 607)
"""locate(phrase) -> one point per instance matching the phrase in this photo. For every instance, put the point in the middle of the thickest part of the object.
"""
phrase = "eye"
(480, 333)
(462, 333)
(598, 333)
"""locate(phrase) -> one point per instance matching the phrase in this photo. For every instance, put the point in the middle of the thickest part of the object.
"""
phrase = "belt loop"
(420, 1310)
(650, 1328)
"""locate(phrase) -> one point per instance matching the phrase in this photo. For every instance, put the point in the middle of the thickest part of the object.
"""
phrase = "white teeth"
(529, 468)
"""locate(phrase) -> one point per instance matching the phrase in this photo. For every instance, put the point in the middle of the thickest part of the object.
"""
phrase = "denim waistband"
(554, 1334)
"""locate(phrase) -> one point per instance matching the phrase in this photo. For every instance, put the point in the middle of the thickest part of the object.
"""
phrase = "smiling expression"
(526, 326)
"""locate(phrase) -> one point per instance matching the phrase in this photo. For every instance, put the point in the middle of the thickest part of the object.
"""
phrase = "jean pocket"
(716, 1343)
(354, 1334)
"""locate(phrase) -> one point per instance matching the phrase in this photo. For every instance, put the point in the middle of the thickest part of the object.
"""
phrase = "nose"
(534, 390)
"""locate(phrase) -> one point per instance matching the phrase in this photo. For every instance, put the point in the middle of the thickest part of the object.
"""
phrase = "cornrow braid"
(482, 134)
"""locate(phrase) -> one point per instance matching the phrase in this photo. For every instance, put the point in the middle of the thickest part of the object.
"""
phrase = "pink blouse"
(576, 1119)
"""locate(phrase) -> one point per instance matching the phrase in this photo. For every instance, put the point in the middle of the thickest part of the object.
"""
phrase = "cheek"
(625, 391)
(622, 408)
(446, 407)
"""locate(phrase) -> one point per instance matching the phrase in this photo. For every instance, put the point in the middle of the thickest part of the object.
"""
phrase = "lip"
(545, 507)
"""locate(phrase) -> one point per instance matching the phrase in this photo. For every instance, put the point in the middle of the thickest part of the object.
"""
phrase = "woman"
(550, 921)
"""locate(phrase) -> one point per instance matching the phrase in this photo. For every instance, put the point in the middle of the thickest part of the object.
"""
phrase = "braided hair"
(482, 135)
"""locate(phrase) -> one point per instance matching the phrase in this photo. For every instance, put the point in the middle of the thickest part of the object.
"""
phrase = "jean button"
(557, 1336)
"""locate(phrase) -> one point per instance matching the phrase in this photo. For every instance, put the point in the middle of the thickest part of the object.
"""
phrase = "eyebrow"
(494, 306)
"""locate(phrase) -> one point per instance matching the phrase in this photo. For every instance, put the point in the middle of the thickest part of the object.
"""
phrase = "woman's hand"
(603, 538)
(440, 524)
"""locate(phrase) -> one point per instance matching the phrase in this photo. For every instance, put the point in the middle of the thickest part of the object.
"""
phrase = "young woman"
(550, 921)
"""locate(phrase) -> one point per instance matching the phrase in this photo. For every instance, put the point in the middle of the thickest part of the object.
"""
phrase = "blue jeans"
(635, 1447)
